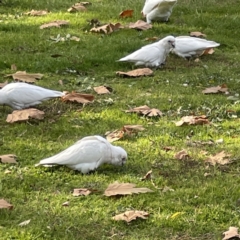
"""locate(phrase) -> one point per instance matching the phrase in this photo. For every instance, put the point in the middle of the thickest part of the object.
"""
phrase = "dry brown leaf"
(218, 89)
(154, 112)
(231, 233)
(3, 84)
(77, 7)
(5, 204)
(78, 97)
(117, 188)
(56, 23)
(102, 89)
(126, 13)
(193, 120)
(37, 13)
(128, 216)
(197, 34)
(221, 158)
(107, 28)
(129, 129)
(114, 135)
(138, 109)
(8, 158)
(13, 67)
(136, 73)
(74, 38)
(24, 115)
(208, 51)
(140, 25)
(151, 39)
(23, 76)
(182, 155)
(147, 176)
(81, 192)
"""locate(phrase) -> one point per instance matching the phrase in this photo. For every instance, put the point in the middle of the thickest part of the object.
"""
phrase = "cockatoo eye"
(123, 160)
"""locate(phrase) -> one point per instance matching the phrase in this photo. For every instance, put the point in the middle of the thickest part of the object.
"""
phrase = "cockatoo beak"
(173, 44)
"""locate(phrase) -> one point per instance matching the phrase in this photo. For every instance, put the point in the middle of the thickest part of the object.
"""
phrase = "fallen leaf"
(136, 73)
(56, 55)
(56, 23)
(74, 38)
(128, 216)
(231, 233)
(37, 13)
(218, 89)
(140, 25)
(147, 176)
(23, 76)
(65, 204)
(114, 135)
(77, 7)
(5, 204)
(208, 51)
(3, 84)
(126, 13)
(138, 109)
(107, 28)
(81, 192)
(152, 39)
(221, 158)
(182, 155)
(78, 97)
(154, 112)
(197, 34)
(117, 188)
(200, 143)
(129, 129)
(24, 223)
(24, 115)
(8, 158)
(193, 120)
(102, 90)
(13, 67)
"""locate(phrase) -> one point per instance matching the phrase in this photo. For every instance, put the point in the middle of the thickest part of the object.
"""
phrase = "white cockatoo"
(152, 55)
(188, 47)
(87, 155)
(158, 10)
(21, 95)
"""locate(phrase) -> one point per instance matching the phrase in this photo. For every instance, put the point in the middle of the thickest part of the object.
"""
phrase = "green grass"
(207, 205)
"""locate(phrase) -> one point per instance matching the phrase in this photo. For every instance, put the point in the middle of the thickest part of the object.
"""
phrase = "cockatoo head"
(170, 40)
(119, 156)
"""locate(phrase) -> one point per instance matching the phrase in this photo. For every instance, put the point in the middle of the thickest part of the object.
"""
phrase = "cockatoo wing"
(87, 150)
(188, 44)
(26, 93)
(150, 5)
(148, 53)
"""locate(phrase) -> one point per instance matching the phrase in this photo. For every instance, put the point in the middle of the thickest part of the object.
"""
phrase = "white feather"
(186, 46)
(152, 55)
(158, 10)
(88, 154)
(22, 95)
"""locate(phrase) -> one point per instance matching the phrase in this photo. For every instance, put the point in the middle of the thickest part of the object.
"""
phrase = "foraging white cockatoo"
(158, 10)
(152, 55)
(88, 154)
(21, 95)
(187, 47)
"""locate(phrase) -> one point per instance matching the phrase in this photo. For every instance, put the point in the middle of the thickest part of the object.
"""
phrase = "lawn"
(191, 198)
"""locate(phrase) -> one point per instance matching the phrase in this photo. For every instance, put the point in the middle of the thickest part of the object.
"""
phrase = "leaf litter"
(107, 28)
(231, 233)
(82, 98)
(56, 23)
(23, 76)
(126, 13)
(136, 73)
(5, 204)
(25, 115)
(8, 158)
(193, 120)
(221, 158)
(218, 89)
(140, 25)
(128, 216)
(146, 111)
(117, 188)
